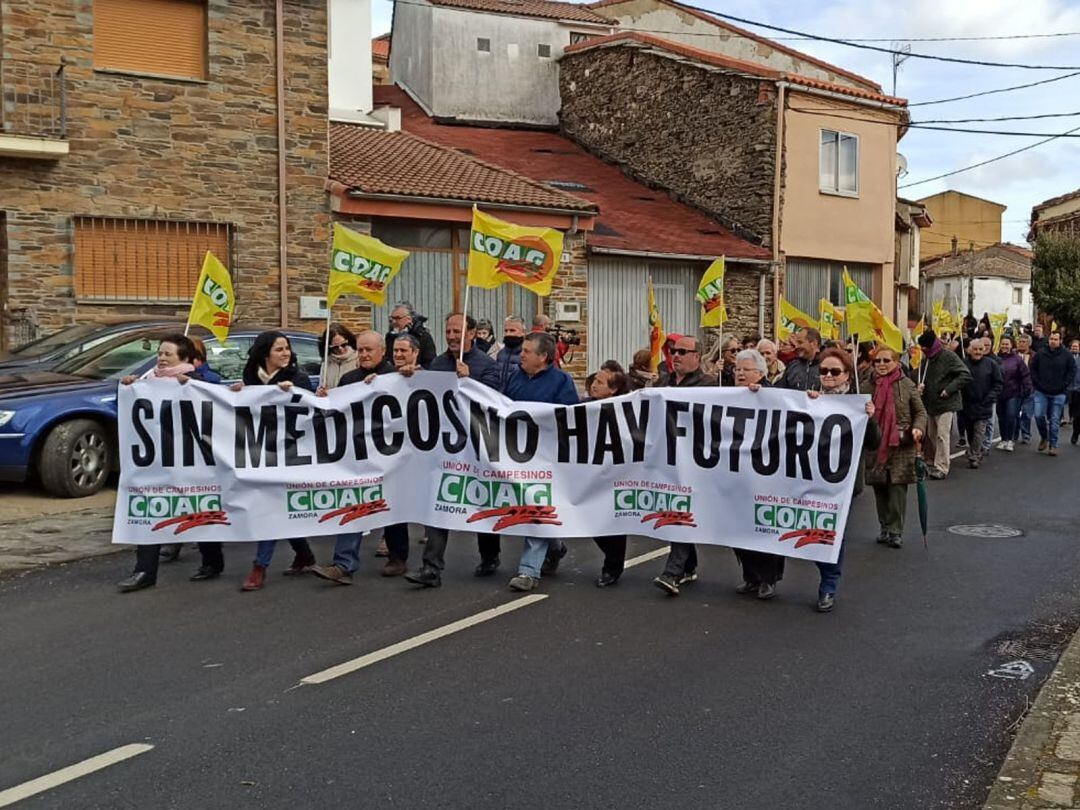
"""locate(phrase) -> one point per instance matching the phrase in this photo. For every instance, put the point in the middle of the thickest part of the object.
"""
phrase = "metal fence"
(33, 99)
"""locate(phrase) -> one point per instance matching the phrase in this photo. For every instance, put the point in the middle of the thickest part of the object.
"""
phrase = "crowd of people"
(912, 409)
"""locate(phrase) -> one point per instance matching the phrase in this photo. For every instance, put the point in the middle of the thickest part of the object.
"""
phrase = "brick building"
(137, 134)
(1058, 215)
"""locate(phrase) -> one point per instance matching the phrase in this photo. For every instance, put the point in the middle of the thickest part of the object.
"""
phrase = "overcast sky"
(1018, 182)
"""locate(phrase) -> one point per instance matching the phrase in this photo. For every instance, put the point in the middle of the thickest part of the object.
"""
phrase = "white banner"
(770, 471)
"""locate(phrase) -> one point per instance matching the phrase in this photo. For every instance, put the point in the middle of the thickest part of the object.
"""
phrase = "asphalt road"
(616, 698)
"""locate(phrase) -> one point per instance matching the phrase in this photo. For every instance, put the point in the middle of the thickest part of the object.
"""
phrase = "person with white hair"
(775, 365)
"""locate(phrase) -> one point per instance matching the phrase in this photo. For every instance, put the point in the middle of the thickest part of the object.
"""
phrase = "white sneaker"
(1010, 446)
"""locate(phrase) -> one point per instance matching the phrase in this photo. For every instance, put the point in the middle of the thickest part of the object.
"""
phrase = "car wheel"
(75, 459)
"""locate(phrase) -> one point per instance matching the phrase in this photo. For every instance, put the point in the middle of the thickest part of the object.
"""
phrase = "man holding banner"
(480, 367)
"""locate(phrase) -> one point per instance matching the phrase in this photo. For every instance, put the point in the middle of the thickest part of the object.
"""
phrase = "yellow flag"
(943, 319)
(500, 252)
(790, 318)
(1053, 326)
(915, 350)
(361, 264)
(656, 331)
(214, 303)
(829, 320)
(711, 295)
(858, 308)
(997, 327)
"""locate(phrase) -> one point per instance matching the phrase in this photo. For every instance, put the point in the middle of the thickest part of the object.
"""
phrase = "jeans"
(830, 573)
(988, 438)
(435, 550)
(976, 438)
(1008, 413)
(682, 559)
(1027, 410)
(347, 551)
(1048, 408)
(264, 552)
(532, 557)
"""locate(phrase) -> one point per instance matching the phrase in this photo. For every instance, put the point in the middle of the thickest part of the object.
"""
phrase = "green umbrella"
(920, 491)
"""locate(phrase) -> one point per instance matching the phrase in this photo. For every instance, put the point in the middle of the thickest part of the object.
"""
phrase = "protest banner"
(770, 471)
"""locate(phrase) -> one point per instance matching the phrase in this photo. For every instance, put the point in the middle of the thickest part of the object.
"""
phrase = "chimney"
(954, 246)
(349, 60)
(390, 117)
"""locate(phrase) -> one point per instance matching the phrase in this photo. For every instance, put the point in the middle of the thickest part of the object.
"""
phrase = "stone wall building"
(1058, 215)
(120, 170)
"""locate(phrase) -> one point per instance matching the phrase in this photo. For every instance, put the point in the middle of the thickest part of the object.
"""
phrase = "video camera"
(563, 334)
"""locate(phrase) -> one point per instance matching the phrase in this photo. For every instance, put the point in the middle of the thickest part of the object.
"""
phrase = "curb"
(1043, 763)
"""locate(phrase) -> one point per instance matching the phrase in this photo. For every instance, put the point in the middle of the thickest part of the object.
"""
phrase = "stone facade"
(159, 148)
(708, 137)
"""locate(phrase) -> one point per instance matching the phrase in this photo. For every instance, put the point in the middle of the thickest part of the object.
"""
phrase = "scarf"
(337, 366)
(840, 389)
(264, 377)
(169, 371)
(935, 348)
(885, 414)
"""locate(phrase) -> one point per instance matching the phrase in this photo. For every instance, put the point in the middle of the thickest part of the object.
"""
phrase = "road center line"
(420, 640)
(71, 772)
(651, 555)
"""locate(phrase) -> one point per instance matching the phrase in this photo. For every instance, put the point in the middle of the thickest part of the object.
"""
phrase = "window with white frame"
(838, 167)
(1018, 295)
(483, 44)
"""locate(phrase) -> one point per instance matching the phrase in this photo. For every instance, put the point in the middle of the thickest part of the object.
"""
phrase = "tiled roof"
(374, 161)
(380, 47)
(633, 217)
(1072, 195)
(678, 49)
(548, 9)
(1002, 260)
(742, 32)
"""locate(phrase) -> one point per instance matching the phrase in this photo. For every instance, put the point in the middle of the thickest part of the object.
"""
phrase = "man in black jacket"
(980, 396)
(1052, 372)
(801, 373)
(478, 366)
(405, 321)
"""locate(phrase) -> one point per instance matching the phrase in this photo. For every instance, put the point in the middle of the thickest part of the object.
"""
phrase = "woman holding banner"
(271, 361)
(901, 417)
(610, 381)
(176, 356)
(836, 369)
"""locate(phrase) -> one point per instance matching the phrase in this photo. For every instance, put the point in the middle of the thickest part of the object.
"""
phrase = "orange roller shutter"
(166, 37)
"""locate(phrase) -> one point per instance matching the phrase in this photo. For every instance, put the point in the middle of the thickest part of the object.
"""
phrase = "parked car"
(52, 349)
(60, 425)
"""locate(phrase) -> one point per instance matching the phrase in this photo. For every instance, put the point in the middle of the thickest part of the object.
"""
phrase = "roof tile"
(374, 161)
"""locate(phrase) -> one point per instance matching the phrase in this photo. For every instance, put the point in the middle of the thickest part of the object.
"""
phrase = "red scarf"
(885, 414)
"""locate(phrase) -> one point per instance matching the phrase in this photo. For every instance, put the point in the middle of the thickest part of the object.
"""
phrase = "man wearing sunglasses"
(801, 373)
(681, 566)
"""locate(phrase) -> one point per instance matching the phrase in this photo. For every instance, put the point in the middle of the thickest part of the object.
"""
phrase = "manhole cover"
(986, 530)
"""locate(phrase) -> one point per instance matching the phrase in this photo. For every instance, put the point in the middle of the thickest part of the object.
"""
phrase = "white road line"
(964, 452)
(418, 641)
(71, 772)
(652, 555)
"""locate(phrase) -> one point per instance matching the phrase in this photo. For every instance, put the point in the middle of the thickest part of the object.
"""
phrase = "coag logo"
(806, 526)
(370, 273)
(711, 296)
(512, 502)
(219, 297)
(347, 503)
(182, 511)
(665, 508)
(525, 260)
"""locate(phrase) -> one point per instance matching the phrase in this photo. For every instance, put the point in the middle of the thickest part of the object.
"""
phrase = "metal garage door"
(618, 322)
(809, 280)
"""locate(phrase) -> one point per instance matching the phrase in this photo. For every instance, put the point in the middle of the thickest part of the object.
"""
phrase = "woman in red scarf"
(899, 412)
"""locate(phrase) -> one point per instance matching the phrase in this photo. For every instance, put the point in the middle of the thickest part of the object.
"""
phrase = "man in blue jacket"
(509, 356)
(460, 333)
(538, 380)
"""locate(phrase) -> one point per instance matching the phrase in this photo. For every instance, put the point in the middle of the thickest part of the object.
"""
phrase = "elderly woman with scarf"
(901, 416)
(836, 368)
(342, 358)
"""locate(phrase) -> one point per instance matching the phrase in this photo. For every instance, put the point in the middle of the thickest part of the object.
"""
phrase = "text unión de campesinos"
(771, 441)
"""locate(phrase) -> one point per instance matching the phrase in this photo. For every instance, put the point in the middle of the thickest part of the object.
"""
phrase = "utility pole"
(971, 278)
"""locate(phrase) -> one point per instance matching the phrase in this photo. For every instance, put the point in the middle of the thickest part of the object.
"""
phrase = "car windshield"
(43, 345)
(113, 359)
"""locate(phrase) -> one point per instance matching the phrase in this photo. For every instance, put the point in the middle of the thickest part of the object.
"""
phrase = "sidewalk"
(1044, 762)
(41, 530)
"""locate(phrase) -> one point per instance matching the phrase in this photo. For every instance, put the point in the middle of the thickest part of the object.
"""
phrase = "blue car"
(47, 352)
(60, 425)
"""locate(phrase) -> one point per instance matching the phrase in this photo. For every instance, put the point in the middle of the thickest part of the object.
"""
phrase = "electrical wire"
(831, 112)
(863, 46)
(1005, 132)
(940, 39)
(991, 160)
(992, 92)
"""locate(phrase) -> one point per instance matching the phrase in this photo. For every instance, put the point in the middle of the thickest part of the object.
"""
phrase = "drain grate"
(990, 530)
